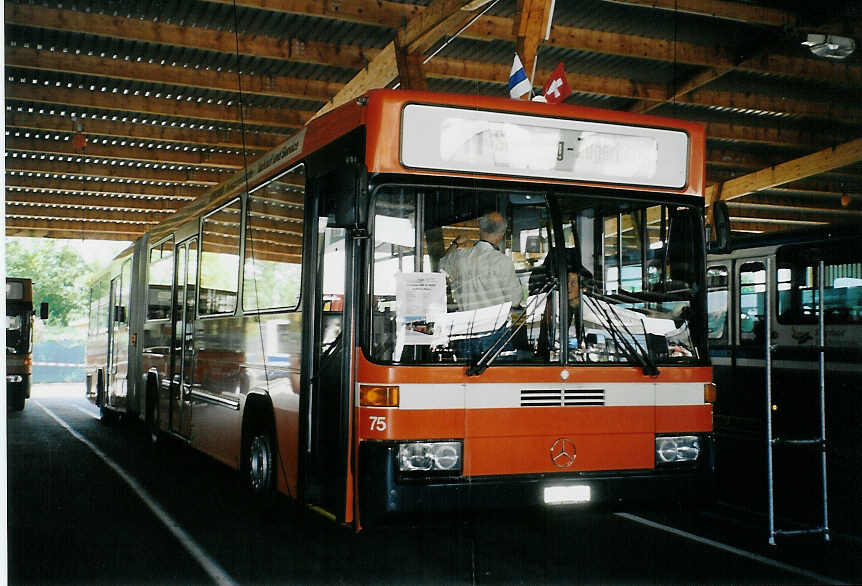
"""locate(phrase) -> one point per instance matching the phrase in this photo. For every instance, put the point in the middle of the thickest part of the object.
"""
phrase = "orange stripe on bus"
(397, 424)
(532, 455)
(683, 419)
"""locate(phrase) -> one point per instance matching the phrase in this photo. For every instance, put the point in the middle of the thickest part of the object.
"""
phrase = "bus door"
(118, 341)
(111, 372)
(747, 377)
(182, 344)
(326, 439)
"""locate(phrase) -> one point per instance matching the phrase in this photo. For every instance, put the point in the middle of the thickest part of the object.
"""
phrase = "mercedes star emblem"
(563, 453)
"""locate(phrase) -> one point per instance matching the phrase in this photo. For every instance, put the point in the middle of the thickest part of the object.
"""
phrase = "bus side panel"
(96, 357)
(236, 357)
(137, 312)
(278, 339)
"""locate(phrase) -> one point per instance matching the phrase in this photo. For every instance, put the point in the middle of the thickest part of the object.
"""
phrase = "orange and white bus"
(297, 325)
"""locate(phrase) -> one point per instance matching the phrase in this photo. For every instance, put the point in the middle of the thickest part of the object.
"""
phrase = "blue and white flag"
(518, 82)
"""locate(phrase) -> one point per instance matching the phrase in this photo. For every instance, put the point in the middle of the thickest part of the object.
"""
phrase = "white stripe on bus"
(508, 395)
(210, 566)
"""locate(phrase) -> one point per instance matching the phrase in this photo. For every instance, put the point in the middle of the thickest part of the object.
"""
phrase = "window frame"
(240, 249)
(244, 246)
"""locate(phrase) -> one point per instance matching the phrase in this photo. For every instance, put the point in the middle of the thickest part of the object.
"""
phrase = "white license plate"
(566, 495)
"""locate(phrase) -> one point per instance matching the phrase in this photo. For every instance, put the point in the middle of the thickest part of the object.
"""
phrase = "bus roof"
(382, 112)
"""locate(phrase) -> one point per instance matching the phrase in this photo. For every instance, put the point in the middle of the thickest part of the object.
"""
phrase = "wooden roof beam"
(90, 167)
(199, 38)
(439, 18)
(785, 212)
(223, 138)
(184, 109)
(334, 54)
(150, 217)
(117, 68)
(94, 201)
(130, 230)
(127, 153)
(31, 232)
(147, 191)
(529, 26)
(819, 162)
(392, 14)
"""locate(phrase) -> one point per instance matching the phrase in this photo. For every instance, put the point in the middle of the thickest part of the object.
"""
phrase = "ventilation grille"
(560, 398)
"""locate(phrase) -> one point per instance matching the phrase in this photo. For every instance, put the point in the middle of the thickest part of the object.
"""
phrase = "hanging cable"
(256, 295)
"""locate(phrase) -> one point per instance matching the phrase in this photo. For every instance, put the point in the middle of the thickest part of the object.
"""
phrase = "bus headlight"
(14, 378)
(429, 457)
(675, 449)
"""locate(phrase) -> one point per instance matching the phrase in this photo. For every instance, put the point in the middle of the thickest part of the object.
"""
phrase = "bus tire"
(18, 400)
(106, 415)
(259, 458)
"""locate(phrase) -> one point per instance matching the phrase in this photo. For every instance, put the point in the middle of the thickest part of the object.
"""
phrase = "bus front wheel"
(259, 462)
(18, 400)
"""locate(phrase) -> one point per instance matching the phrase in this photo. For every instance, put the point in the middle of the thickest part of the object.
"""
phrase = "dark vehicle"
(19, 340)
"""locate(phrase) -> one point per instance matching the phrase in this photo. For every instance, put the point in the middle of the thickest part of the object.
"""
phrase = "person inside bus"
(577, 274)
(482, 275)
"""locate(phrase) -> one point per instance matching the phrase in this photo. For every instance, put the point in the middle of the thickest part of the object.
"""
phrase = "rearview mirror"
(721, 225)
(348, 186)
(43, 310)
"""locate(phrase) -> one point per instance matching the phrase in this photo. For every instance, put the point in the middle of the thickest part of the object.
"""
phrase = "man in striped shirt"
(482, 276)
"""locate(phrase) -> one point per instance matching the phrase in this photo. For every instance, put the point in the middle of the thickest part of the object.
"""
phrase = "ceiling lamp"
(830, 46)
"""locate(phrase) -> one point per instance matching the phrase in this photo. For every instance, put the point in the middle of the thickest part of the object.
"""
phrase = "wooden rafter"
(132, 163)
(486, 28)
(345, 55)
(529, 25)
(423, 30)
(228, 138)
(44, 185)
(184, 109)
(819, 162)
(128, 153)
(118, 68)
(94, 201)
(61, 168)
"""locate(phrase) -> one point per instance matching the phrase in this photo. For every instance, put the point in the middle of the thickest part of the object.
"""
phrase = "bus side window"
(273, 244)
(220, 235)
(161, 272)
(716, 299)
(752, 308)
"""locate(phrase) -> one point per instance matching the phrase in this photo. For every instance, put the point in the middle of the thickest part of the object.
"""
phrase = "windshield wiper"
(623, 340)
(484, 361)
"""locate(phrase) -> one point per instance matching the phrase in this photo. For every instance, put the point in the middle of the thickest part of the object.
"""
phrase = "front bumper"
(383, 491)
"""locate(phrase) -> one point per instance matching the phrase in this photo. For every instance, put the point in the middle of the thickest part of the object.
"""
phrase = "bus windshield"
(17, 331)
(534, 278)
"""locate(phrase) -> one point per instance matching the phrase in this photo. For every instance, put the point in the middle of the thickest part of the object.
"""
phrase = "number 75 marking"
(377, 423)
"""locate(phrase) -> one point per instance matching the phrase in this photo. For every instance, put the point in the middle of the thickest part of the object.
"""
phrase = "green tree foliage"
(59, 277)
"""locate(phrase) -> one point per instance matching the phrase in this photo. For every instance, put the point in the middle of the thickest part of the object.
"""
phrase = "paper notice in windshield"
(420, 303)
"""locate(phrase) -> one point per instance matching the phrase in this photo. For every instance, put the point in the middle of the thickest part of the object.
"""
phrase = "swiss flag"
(557, 88)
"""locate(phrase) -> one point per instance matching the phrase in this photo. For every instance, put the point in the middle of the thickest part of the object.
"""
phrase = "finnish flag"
(518, 82)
